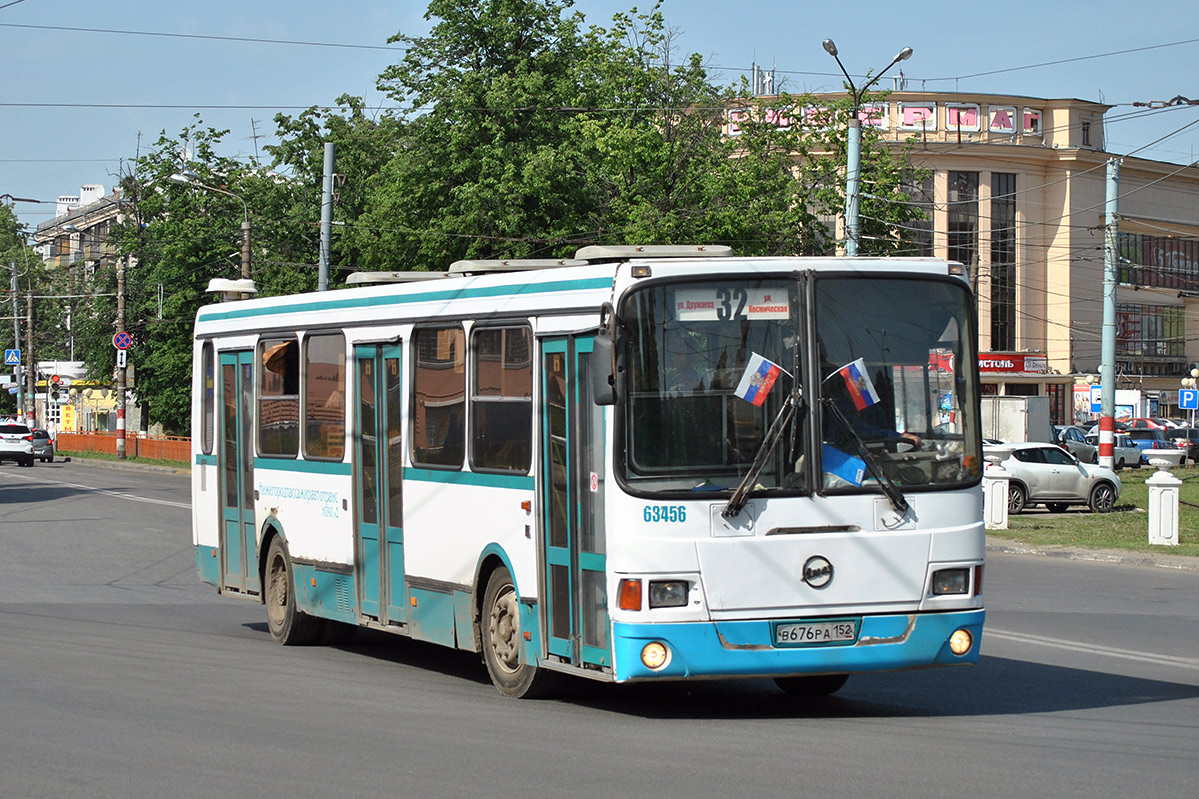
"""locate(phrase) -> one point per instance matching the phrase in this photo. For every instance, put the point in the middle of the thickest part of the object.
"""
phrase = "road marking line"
(117, 494)
(1077, 646)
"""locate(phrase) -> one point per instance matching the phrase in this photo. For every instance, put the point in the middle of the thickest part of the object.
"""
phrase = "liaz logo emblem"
(817, 571)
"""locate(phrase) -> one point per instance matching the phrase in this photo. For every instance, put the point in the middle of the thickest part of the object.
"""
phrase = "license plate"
(830, 632)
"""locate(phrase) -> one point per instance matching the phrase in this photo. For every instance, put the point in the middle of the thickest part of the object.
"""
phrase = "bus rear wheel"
(816, 685)
(288, 624)
(501, 638)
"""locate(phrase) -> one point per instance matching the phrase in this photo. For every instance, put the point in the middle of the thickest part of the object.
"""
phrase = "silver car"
(16, 443)
(1045, 474)
(1074, 438)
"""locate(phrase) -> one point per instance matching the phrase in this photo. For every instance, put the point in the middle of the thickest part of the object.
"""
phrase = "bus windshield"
(882, 369)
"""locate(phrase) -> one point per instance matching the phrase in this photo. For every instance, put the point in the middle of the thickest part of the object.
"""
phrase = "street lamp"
(854, 147)
(1191, 382)
(189, 177)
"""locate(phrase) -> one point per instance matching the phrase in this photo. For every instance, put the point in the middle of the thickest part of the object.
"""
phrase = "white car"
(16, 443)
(1124, 452)
(1046, 474)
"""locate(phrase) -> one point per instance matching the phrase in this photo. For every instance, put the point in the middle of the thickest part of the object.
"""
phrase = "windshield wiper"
(898, 502)
(771, 439)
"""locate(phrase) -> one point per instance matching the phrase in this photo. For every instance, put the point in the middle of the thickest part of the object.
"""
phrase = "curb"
(122, 465)
(1177, 562)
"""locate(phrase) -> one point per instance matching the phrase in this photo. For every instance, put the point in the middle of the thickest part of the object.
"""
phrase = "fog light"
(667, 593)
(959, 643)
(951, 581)
(655, 655)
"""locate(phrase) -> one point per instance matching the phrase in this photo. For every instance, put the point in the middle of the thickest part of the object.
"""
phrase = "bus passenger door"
(572, 472)
(379, 540)
(239, 553)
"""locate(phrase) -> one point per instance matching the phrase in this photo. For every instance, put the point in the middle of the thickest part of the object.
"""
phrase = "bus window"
(325, 396)
(439, 397)
(502, 399)
(279, 397)
(208, 401)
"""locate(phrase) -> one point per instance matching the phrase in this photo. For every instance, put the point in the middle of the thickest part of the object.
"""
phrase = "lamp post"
(189, 177)
(853, 154)
(1191, 382)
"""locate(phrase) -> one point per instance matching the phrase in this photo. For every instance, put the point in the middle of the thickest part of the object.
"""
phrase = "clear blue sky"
(151, 68)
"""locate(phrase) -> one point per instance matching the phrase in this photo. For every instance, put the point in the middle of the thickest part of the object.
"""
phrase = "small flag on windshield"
(861, 390)
(758, 379)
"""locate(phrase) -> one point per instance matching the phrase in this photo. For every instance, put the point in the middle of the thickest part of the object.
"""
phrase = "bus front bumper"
(745, 648)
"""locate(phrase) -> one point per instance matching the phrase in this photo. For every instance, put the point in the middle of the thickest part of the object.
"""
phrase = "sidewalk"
(1162, 559)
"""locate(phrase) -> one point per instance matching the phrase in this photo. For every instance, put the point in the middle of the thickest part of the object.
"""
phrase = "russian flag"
(859, 385)
(758, 379)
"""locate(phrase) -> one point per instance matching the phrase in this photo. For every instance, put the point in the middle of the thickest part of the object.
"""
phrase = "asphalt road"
(121, 675)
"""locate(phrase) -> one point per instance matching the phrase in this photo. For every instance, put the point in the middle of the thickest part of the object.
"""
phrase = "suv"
(16, 443)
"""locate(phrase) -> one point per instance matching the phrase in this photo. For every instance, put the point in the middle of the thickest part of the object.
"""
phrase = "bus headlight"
(951, 581)
(668, 593)
(655, 655)
(960, 642)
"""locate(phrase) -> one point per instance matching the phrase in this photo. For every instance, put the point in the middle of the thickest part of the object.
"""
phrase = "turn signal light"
(630, 595)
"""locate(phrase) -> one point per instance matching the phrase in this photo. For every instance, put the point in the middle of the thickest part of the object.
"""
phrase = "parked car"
(1124, 452)
(1074, 439)
(1187, 438)
(16, 443)
(43, 445)
(1147, 438)
(1045, 474)
(1154, 423)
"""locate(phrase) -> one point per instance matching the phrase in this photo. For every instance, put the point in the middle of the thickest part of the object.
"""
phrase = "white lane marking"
(1078, 646)
(117, 494)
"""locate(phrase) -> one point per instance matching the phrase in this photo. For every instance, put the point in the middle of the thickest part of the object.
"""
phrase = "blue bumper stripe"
(733, 649)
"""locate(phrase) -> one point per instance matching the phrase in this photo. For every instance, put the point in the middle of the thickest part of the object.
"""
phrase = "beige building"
(1017, 193)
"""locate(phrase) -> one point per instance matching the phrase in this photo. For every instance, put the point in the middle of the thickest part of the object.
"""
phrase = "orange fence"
(163, 448)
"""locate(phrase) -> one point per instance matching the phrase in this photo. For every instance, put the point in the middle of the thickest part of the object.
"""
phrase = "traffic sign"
(122, 340)
(12, 357)
(1188, 399)
(122, 358)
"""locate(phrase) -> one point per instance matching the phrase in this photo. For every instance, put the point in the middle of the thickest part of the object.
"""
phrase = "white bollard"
(995, 488)
(1163, 508)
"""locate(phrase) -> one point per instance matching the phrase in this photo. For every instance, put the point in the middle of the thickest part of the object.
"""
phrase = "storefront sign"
(1013, 362)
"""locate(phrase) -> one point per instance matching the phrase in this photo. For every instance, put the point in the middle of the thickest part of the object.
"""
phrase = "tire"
(499, 624)
(1057, 507)
(288, 625)
(1103, 498)
(817, 685)
(1016, 498)
(28, 461)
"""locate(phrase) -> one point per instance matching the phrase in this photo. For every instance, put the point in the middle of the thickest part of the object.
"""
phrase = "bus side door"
(239, 551)
(379, 538)
(572, 469)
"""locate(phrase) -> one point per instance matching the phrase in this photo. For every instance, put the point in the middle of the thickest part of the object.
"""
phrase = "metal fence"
(163, 448)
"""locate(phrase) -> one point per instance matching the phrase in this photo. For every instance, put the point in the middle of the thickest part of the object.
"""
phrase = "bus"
(638, 464)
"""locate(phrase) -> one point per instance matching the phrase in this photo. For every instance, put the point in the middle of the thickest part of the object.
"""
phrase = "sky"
(88, 84)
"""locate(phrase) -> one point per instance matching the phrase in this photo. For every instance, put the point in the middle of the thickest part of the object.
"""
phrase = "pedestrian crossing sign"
(12, 357)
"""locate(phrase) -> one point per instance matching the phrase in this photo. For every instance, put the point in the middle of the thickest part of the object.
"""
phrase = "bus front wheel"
(288, 624)
(501, 637)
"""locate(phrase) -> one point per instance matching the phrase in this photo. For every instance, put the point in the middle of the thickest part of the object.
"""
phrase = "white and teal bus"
(639, 464)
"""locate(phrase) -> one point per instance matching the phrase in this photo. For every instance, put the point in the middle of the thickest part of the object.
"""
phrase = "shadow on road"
(996, 686)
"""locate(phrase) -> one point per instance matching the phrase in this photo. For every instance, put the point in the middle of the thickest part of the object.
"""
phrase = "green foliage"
(525, 133)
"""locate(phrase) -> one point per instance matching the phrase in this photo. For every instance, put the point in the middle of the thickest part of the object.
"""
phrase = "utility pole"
(31, 359)
(18, 377)
(122, 354)
(326, 219)
(1107, 365)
